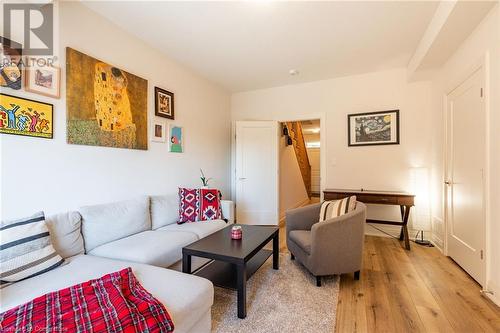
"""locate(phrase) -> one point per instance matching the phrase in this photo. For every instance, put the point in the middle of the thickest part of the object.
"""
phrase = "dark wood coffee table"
(234, 261)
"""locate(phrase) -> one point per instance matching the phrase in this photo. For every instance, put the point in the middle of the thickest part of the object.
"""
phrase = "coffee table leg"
(242, 290)
(276, 251)
(186, 263)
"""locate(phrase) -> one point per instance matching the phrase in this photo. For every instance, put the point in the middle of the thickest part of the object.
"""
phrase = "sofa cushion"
(102, 224)
(186, 297)
(164, 210)
(302, 238)
(26, 249)
(158, 248)
(201, 229)
(65, 232)
(335, 208)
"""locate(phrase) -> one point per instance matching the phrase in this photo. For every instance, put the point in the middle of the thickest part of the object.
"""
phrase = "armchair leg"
(292, 256)
(356, 275)
(318, 281)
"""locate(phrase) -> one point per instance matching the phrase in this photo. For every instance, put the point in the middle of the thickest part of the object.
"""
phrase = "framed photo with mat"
(373, 128)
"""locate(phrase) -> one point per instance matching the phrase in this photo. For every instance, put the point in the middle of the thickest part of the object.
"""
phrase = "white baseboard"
(491, 297)
(437, 242)
(297, 205)
(436, 239)
(392, 230)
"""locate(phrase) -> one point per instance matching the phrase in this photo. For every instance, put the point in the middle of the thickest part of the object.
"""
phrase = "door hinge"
(482, 256)
(481, 92)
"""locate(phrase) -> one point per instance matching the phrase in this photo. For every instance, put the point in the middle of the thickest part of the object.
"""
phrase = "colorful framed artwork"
(43, 80)
(11, 54)
(106, 106)
(164, 103)
(21, 116)
(373, 128)
(158, 131)
(176, 139)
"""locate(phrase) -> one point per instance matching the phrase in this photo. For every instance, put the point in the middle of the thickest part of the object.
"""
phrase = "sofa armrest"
(227, 210)
(302, 218)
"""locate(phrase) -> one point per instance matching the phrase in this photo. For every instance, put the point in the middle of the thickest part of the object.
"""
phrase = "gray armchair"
(330, 247)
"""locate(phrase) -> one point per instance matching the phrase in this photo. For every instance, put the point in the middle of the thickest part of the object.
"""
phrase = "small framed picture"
(373, 128)
(176, 139)
(164, 103)
(158, 131)
(43, 80)
(11, 54)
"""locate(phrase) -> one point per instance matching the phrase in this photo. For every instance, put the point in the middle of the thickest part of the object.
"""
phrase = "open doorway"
(299, 157)
(311, 130)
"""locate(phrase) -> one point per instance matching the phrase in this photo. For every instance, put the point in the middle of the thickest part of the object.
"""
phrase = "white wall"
(485, 40)
(293, 192)
(377, 168)
(50, 175)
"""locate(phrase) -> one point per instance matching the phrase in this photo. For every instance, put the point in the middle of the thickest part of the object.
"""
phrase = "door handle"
(448, 182)
(242, 178)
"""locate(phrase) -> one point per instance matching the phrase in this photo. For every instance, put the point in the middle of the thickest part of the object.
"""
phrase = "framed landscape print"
(44, 80)
(176, 139)
(373, 128)
(164, 103)
(10, 64)
(158, 131)
(21, 116)
(106, 106)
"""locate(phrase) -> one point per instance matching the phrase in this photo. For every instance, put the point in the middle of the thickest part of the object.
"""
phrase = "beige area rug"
(286, 300)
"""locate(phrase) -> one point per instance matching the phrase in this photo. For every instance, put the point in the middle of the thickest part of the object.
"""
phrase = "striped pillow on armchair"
(336, 208)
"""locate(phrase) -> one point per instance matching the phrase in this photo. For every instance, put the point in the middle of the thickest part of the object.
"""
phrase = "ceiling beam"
(451, 24)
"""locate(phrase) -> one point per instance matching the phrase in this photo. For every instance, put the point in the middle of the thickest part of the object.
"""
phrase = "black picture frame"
(393, 141)
(158, 112)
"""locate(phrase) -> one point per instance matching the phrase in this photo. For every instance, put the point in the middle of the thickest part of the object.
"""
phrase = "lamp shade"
(420, 187)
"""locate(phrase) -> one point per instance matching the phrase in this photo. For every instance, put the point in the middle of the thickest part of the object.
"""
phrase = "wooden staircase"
(299, 145)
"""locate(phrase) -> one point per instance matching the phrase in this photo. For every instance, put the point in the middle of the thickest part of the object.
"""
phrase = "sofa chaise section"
(188, 298)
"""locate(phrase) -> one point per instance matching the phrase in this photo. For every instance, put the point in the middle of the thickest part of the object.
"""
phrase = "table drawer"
(373, 198)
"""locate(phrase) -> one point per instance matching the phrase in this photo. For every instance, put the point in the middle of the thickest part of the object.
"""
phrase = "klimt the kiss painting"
(106, 106)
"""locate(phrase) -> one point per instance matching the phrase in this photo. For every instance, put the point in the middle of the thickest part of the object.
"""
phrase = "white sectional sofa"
(140, 233)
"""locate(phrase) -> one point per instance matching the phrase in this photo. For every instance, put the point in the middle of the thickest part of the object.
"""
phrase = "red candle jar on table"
(236, 232)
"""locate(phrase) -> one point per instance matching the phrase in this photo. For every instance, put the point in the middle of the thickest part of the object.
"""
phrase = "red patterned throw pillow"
(199, 205)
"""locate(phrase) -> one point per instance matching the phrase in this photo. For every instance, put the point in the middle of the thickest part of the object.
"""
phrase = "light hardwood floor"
(410, 291)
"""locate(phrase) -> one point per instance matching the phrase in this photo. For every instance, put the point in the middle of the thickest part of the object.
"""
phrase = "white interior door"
(257, 172)
(466, 156)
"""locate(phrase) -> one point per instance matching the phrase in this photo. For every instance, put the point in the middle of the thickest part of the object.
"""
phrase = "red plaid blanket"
(115, 302)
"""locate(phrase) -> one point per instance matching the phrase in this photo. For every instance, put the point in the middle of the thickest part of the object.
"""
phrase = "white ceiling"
(253, 44)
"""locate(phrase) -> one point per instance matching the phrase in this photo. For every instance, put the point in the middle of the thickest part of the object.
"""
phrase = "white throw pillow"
(66, 234)
(336, 208)
(105, 223)
(164, 210)
(26, 249)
